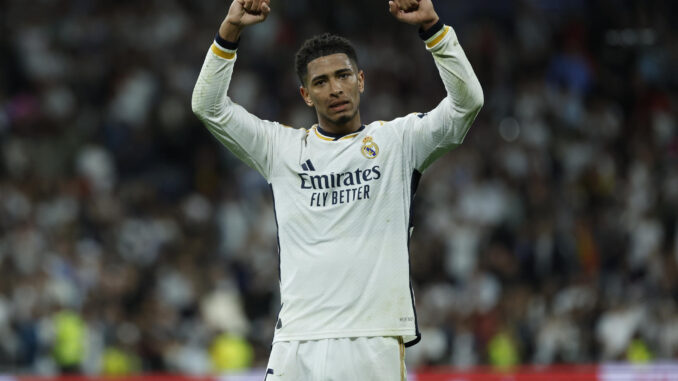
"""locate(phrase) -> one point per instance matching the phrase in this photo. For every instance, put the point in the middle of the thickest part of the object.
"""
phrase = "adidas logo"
(308, 166)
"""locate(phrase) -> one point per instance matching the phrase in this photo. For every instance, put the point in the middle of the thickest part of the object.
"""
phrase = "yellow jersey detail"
(321, 136)
(440, 37)
(350, 136)
(225, 55)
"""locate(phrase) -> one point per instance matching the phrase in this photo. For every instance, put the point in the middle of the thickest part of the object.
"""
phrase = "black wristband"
(226, 44)
(430, 32)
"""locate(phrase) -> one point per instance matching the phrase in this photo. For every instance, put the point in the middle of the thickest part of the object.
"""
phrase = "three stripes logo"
(307, 166)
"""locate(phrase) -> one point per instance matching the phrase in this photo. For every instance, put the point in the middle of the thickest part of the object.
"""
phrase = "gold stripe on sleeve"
(439, 38)
(221, 53)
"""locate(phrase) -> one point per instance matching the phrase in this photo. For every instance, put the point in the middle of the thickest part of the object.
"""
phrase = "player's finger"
(398, 13)
(407, 5)
(393, 8)
(265, 4)
(265, 8)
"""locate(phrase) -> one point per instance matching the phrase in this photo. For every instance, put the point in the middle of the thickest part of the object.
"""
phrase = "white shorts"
(354, 359)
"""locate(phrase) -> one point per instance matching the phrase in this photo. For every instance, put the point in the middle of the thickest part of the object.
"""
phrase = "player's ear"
(361, 81)
(307, 97)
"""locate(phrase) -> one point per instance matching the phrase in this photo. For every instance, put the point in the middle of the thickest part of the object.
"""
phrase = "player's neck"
(347, 127)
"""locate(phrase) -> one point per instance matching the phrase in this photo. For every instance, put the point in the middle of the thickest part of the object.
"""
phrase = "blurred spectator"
(230, 354)
(69, 341)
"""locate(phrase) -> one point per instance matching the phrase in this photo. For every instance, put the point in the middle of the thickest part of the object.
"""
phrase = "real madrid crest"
(369, 149)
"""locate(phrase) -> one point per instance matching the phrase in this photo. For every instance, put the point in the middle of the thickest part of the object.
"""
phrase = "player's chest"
(358, 152)
(339, 173)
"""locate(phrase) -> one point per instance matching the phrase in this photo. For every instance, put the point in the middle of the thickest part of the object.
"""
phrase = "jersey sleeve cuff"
(430, 32)
(224, 49)
(226, 44)
(435, 34)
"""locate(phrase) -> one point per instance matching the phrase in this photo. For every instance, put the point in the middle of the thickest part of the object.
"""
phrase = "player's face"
(333, 86)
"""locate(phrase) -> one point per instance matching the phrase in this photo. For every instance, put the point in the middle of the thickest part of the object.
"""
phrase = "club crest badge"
(369, 149)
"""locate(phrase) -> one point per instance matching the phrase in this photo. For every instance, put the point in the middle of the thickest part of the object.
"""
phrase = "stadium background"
(131, 242)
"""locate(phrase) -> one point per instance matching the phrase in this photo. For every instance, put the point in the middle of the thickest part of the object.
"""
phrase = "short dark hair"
(320, 46)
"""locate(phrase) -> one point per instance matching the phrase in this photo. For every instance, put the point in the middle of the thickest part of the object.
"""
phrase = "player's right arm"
(442, 129)
(248, 137)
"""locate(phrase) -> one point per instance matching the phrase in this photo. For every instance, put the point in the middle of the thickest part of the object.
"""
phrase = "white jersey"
(342, 203)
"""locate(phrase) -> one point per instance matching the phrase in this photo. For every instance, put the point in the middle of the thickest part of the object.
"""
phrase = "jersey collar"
(329, 136)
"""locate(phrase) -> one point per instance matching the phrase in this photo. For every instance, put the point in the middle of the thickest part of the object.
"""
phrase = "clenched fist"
(247, 12)
(407, 5)
(424, 15)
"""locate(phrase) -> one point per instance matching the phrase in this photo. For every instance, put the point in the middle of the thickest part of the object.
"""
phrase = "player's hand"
(424, 15)
(407, 5)
(248, 12)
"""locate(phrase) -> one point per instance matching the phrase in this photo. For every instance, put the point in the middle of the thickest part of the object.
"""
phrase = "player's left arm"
(444, 127)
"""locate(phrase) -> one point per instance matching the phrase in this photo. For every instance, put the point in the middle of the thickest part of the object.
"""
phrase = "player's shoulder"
(291, 131)
(400, 122)
(413, 116)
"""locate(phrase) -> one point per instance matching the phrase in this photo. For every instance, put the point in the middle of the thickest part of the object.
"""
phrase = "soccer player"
(342, 193)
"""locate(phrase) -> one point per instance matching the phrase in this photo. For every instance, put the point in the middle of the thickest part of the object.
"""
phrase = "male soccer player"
(342, 193)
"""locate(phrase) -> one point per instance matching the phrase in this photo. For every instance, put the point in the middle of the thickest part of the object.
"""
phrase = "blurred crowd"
(131, 241)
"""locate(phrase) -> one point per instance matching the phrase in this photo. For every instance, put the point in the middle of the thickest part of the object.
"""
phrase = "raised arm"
(251, 139)
(442, 129)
